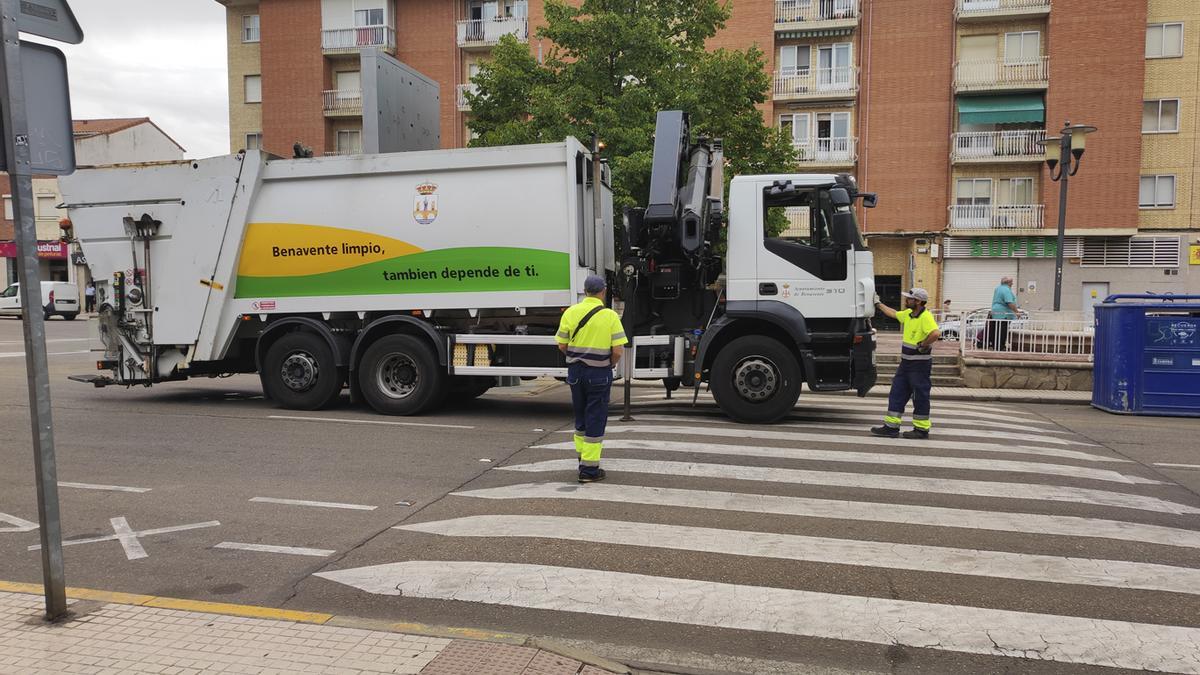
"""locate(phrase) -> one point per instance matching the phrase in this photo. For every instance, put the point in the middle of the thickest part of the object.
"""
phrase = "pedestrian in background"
(1004, 310)
(89, 296)
(592, 338)
(913, 376)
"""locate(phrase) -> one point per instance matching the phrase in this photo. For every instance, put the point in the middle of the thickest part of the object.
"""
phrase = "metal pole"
(1065, 167)
(16, 124)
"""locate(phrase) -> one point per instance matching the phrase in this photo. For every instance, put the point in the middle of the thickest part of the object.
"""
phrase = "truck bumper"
(864, 373)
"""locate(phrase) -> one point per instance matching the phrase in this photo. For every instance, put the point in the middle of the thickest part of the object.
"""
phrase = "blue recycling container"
(1147, 355)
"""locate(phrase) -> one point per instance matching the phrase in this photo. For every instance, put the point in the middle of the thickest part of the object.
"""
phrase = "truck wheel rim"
(398, 376)
(299, 371)
(756, 379)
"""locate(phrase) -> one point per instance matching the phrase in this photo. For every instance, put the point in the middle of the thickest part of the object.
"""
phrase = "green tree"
(612, 66)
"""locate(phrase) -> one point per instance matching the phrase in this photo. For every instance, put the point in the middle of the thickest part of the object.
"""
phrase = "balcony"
(817, 84)
(1002, 74)
(463, 104)
(990, 10)
(342, 103)
(829, 152)
(486, 33)
(997, 147)
(997, 217)
(808, 15)
(351, 40)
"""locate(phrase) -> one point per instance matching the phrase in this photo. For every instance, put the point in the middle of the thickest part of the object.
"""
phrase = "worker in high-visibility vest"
(592, 338)
(913, 375)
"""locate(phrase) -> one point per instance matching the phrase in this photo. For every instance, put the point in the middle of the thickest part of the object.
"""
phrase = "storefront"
(54, 261)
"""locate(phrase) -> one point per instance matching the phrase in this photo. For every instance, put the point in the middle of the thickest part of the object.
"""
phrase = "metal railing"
(794, 11)
(343, 101)
(1046, 335)
(826, 150)
(817, 82)
(1015, 144)
(1002, 72)
(997, 217)
(487, 32)
(969, 7)
(463, 104)
(353, 39)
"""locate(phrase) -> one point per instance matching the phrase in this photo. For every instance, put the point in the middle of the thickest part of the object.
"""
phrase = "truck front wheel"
(400, 375)
(301, 373)
(755, 380)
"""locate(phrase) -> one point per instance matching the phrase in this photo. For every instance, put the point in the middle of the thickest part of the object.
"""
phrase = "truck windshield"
(796, 228)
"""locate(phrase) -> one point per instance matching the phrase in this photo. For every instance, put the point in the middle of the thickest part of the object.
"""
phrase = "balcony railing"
(337, 40)
(833, 151)
(487, 32)
(816, 83)
(814, 13)
(997, 217)
(463, 104)
(994, 8)
(1002, 73)
(342, 102)
(998, 146)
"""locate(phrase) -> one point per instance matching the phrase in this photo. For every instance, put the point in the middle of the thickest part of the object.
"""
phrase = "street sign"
(48, 105)
(51, 19)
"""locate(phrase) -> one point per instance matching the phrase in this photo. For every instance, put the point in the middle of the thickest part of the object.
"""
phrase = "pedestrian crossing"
(1048, 547)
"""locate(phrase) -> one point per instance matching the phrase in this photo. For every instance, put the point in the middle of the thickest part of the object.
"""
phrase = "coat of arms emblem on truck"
(425, 205)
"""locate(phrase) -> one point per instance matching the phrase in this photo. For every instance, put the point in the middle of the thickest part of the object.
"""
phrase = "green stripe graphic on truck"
(453, 270)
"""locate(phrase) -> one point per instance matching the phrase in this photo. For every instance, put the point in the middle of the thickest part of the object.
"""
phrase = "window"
(974, 192)
(1022, 47)
(254, 141)
(833, 66)
(1164, 40)
(250, 28)
(795, 60)
(349, 142)
(1015, 192)
(348, 84)
(1161, 116)
(796, 126)
(1157, 192)
(253, 89)
(1137, 251)
(45, 207)
(368, 17)
(8, 207)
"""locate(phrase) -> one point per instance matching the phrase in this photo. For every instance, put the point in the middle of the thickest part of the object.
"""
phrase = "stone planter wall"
(1018, 374)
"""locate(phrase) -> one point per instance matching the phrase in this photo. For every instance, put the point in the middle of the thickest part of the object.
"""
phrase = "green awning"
(1001, 109)
(813, 33)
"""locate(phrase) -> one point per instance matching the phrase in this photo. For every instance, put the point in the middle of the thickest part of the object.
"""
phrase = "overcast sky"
(162, 59)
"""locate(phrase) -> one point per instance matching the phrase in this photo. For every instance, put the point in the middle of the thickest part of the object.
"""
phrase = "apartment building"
(941, 106)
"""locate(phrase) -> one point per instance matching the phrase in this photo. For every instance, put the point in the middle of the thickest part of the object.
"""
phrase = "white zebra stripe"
(942, 421)
(837, 509)
(849, 456)
(871, 404)
(860, 439)
(941, 430)
(973, 488)
(1001, 564)
(973, 630)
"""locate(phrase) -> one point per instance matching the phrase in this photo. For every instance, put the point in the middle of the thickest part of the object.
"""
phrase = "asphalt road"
(1022, 538)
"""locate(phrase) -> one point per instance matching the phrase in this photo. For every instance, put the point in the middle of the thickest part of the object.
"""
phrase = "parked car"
(976, 322)
(58, 297)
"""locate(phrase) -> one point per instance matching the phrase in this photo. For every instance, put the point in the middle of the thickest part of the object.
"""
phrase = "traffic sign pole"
(16, 141)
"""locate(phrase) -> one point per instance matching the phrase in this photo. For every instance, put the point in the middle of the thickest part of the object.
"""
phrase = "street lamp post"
(1066, 157)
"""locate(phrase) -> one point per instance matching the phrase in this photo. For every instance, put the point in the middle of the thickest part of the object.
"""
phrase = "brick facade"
(426, 40)
(294, 74)
(1097, 66)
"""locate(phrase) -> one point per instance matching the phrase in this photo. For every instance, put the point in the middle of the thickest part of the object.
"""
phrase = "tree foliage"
(612, 66)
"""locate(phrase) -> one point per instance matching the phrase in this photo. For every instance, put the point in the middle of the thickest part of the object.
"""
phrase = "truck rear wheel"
(301, 373)
(755, 380)
(400, 375)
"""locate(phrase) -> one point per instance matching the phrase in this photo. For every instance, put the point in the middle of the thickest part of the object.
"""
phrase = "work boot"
(885, 431)
(591, 474)
(919, 434)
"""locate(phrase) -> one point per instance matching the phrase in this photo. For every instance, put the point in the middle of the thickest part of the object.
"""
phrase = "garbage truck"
(412, 277)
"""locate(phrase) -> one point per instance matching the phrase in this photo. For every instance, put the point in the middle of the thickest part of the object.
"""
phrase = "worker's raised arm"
(887, 311)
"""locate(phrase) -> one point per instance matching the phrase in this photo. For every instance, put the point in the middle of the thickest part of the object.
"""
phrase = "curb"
(323, 619)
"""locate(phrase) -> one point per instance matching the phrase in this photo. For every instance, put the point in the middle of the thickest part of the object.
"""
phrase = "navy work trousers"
(912, 381)
(590, 388)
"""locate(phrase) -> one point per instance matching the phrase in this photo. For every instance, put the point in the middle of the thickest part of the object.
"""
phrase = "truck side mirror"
(869, 199)
(840, 198)
(842, 229)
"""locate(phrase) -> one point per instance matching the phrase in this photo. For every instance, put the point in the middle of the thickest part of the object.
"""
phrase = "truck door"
(798, 261)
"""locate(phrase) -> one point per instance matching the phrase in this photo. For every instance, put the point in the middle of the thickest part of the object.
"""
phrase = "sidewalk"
(123, 633)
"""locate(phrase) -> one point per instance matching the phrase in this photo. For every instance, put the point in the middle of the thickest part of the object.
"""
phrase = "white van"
(58, 297)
